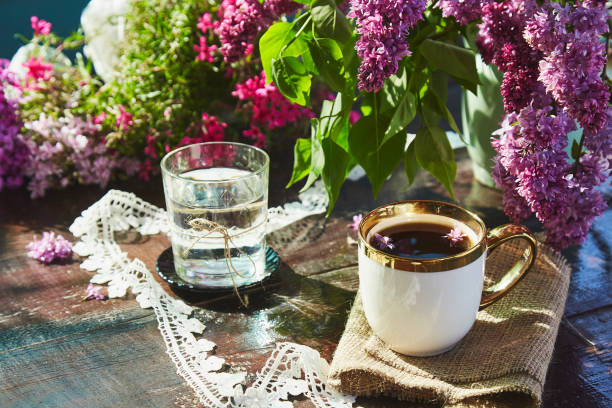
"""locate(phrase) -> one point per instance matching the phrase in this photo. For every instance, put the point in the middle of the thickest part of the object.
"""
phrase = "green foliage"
(160, 81)
(378, 141)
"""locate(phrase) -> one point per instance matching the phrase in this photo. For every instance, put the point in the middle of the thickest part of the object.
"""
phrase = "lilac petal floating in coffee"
(455, 235)
(383, 243)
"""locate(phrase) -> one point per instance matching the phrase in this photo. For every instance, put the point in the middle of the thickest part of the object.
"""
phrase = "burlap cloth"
(501, 362)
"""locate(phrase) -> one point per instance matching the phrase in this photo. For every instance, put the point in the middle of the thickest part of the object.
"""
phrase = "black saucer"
(165, 269)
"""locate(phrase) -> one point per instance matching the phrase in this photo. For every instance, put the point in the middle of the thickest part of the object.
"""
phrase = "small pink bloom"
(125, 119)
(256, 134)
(455, 235)
(37, 69)
(145, 170)
(149, 149)
(205, 23)
(354, 116)
(205, 52)
(40, 26)
(99, 118)
(95, 292)
(356, 221)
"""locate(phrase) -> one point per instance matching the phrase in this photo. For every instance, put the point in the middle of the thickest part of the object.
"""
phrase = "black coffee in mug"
(422, 240)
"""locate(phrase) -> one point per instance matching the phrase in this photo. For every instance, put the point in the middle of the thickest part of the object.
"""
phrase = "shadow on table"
(298, 306)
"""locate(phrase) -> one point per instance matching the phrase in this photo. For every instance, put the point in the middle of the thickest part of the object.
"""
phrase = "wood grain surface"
(57, 351)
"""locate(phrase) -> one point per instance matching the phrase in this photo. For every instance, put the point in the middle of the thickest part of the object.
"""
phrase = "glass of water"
(217, 201)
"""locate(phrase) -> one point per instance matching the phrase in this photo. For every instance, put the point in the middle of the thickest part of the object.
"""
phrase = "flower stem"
(299, 31)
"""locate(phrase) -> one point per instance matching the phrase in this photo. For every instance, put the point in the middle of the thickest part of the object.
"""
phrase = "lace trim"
(291, 369)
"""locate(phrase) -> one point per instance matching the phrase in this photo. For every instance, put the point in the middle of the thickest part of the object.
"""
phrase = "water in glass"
(234, 200)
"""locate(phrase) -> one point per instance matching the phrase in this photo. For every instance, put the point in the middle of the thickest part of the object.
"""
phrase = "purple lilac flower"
(533, 171)
(13, 151)
(49, 248)
(571, 75)
(243, 20)
(455, 235)
(65, 150)
(382, 25)
(383, 243)
(464, 11)
(356, 221)
(515, 206)
(501, 42)
(95, 292)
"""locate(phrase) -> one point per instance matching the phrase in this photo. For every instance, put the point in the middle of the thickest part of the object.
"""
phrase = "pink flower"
(256, 134)
(40, 26)
(125, 118)
(205, 52)
(99, 118)
(95, 292)
(270, 109)
(354, 116)
(145, 170)
(49, 248)
(36, 69)
(205, 23)
(455, 235)
(149, 149)
(356, 221)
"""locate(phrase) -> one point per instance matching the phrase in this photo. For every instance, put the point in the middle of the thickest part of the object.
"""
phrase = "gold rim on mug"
(449, 210)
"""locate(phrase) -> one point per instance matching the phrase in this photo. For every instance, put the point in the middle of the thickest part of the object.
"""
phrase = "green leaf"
(403, 115)
(394, 90)
(456, 61)
(378, 163)
(350, 59)
(435, 101)
(576, 150)
(292, 80)
(411, 164)
(301, 160)
(329, 21)
(334, 171)
(327, 57)
(434, 154)
(317, 156)
(272, 42)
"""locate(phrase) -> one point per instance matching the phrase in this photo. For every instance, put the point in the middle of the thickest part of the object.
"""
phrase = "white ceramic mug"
(423, 307)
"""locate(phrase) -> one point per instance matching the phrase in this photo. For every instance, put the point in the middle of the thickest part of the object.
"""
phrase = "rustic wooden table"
(56, 351)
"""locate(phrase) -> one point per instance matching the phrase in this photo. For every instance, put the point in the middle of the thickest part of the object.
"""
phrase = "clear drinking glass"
(217, 200)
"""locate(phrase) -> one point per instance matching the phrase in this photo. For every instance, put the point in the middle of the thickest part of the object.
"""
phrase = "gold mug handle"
(496, 237)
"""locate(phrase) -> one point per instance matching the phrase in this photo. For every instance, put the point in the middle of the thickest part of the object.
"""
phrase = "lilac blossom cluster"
(464, 11)
(552, 58)
(49, 248)
(501, 42)
(68, 149)
(383, 26)
(242, 20)
(13, 152)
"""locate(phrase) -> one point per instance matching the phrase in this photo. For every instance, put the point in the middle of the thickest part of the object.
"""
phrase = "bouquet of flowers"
(168, 85)
(393, 61)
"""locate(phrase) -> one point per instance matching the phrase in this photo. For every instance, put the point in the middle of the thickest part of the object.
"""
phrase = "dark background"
(15, 16)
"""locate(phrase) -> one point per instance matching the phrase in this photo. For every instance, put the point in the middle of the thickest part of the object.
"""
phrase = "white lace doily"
(291, 370)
